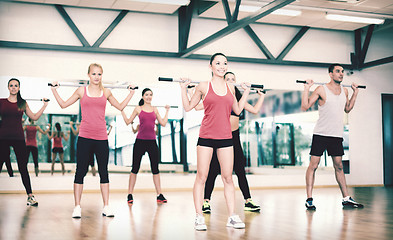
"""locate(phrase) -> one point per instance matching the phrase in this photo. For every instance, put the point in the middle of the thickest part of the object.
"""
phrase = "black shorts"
(57, 150)
(333, 145)
(215, 143)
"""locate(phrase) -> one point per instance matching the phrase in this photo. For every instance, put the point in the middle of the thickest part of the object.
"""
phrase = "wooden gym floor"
(283, 216)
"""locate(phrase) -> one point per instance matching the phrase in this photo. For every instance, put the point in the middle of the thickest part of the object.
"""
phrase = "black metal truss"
(112, 26)
(264, 11)
(185, 15)
(359, 56)
(72, 25)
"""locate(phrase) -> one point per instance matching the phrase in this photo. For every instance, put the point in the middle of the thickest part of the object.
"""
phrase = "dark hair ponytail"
(19, 100)
(141, 102)
(58, 128)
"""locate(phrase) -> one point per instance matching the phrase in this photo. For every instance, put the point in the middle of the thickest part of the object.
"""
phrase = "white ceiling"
(313, 11)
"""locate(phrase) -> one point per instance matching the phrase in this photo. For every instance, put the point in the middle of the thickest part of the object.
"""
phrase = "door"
(387, 128)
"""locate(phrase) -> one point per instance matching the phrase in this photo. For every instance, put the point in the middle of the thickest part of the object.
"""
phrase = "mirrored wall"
(278, 136)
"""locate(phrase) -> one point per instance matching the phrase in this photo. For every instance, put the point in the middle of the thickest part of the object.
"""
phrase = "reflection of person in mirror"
(333, 101)
(57, 147)
(31, 141)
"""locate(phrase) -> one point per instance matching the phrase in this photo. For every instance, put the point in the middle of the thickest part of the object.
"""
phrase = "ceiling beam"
(358, 49)
(258, 42)
(185, 14)
(236, 11)
(112, 26)
(68, 48)
(203, 6)
(366, 44)
(72, 25)
(264, 11)
(269, 61)
(230, 20)
(227, 11)
(378, 62)
(292, 43)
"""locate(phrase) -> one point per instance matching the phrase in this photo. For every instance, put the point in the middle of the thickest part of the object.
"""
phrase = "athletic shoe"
(235, 222)
(107, 212)
(200, 223)
(309, 204)
(251, 206)
(161, 198)
(351, 203)
(206, 207)
(130, 199)
(77, 213)
(31, 201)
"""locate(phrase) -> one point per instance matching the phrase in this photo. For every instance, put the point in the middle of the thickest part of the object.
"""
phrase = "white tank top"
(331, 115)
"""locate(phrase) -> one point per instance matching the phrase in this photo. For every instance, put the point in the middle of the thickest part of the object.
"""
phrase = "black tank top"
(238, 95)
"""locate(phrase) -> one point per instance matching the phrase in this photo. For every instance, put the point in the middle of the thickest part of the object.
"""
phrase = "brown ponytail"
(20, 101)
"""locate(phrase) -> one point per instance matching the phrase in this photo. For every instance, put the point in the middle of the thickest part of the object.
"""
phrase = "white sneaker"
(235, 222)
(200, 223)
(31, 201)
(77, 213)
(107, 212)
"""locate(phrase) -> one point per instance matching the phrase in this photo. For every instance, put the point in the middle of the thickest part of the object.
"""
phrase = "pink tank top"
(57, 142)
(146, 126)
(31, 133)
(93, 124)
(215, 123)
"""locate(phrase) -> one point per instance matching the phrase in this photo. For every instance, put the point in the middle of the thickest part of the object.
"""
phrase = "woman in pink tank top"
(215, 134)
(31, 141)
(57, 147)
(146, 142)
(93, 138)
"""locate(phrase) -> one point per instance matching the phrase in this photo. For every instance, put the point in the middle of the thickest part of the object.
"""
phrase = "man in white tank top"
(328, 132)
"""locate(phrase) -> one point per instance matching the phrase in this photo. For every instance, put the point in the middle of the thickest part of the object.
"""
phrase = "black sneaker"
(352, 203)
(206, 207)
(251, 206)
(161, 198)
(309, 204)
(130, 200)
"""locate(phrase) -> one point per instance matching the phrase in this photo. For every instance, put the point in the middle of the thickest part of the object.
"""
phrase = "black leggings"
(7, 162)
(84, 148)
(140, 147)
(19, 147)
(91, 160)
(238, 167)
(34, 151)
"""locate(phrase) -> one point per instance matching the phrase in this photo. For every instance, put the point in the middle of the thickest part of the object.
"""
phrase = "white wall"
(365, 123)
(36, 23)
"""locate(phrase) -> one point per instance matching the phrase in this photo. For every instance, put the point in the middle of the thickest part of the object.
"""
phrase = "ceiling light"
(248, 8)
(170, 2)
(343, 18)
(285, 12)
